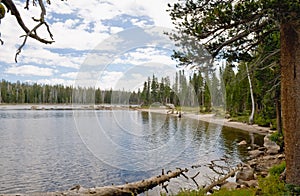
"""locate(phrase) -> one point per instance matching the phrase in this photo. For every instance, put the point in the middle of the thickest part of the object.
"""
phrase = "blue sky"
(111, 44)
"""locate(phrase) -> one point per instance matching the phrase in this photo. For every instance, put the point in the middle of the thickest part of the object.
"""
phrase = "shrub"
(271, 185)
(261, 121)
(277, 169)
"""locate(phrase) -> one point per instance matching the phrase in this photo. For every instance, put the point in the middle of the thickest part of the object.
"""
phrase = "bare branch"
(33, 32)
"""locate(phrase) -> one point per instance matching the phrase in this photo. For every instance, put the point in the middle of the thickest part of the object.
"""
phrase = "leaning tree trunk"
(290, 98)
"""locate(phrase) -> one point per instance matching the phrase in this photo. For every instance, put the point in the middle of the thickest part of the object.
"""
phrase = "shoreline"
(211, 118)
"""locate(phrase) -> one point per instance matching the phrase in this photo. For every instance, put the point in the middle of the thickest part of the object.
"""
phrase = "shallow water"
(44, 151)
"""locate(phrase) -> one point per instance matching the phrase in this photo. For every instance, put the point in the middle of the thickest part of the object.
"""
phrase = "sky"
(108, 44)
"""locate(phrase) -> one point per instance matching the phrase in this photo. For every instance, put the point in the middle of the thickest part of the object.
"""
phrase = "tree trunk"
(290, 98)
(278, 112)
(251, 118)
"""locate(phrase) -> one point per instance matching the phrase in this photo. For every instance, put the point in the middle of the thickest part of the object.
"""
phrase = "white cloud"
(145, 55)
(109, 79)
(71, 75)
(29, 70)
(79, 27)
(115, 30)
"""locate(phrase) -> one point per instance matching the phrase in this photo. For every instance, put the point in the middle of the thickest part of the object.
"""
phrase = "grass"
(238, 192)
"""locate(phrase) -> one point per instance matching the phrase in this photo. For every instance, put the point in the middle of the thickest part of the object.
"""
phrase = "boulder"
(271, 146)
(230, 185)
(255, 153)
(245, 175)
(249, 183)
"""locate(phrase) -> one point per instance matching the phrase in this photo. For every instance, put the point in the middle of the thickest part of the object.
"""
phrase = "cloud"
(145, 55)
(71, 75)
(78, 27)
(29, 70)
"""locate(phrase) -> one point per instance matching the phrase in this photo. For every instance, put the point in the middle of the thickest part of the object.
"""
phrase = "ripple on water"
(44, 151)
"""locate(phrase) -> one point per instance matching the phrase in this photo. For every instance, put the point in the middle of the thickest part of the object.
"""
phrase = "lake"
(43, 151)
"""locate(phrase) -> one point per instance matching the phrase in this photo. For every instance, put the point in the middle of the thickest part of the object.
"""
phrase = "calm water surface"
(44, 151)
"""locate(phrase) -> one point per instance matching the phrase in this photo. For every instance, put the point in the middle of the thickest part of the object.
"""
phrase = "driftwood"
(220, 180)
(129, 188)
(223, 170)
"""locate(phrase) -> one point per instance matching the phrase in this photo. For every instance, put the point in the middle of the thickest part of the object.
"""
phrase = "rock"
(255, 153)
(249, 183)
(272, 147)
(76, 187)
(252, 163)
(262, 148)
(245, 175)
(269, 157)
(273, 150)
(230, 185)
(92, 190)
(255, 146)
(252, 183)
(243, 142)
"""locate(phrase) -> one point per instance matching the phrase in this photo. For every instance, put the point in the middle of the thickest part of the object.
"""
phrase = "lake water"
(43, 151)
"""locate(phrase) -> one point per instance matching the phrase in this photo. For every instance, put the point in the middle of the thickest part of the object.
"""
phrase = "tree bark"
(278, 112)
(290, 97)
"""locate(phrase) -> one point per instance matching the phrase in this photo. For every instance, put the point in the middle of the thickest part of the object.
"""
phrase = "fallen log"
(140, 186)
(133, 188)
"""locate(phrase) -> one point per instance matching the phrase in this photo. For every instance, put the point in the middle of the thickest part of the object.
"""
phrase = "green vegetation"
(278, 138)
(238, 192)
(277, 169)
(271, 185)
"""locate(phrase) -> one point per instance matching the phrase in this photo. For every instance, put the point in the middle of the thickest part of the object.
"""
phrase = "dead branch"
(193, 178)
(222, 179)
(33, 32)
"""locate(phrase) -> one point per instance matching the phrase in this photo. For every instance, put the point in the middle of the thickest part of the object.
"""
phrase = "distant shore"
(210, 118)
(62, 107)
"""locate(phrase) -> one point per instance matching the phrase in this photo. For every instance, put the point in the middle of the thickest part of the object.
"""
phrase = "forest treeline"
(229, 90)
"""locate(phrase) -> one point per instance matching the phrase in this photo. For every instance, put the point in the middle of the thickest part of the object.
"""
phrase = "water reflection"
(53, 150)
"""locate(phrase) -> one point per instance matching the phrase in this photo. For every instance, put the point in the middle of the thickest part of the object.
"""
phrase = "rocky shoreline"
(261, 159)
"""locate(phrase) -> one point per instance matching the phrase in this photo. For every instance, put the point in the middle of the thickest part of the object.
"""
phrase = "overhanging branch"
(33, 32)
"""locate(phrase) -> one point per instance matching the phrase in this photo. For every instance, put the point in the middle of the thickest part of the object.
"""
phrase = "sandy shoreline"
(211, 118)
